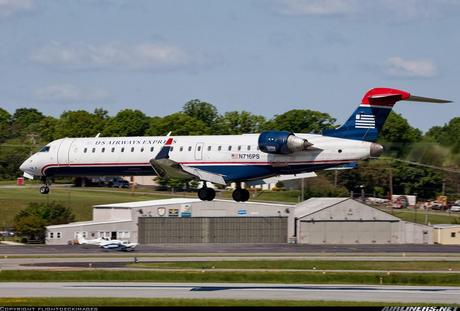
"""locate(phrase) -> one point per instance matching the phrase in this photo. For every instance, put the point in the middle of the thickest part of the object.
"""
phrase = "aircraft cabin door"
(63, 152)
(199, 151)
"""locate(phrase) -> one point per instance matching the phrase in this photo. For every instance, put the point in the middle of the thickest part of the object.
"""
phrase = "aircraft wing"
(165, 167)
(275, 179)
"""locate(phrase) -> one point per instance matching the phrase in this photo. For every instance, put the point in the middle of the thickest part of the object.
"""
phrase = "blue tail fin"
(368, 119)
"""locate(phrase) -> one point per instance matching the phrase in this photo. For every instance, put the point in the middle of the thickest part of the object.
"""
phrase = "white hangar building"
(346, 221)
(184, 220)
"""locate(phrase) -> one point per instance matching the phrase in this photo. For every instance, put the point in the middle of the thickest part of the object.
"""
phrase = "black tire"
(211, 194)
(203, 194)
(245, 195)
(44, 190)
(237, 195)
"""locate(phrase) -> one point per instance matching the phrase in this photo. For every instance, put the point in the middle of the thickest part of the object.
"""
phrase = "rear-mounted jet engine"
(281, 142)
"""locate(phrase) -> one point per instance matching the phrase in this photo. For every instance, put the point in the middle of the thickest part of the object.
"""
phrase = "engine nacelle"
(281, 142)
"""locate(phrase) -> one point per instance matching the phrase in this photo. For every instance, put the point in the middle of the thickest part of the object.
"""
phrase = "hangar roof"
(87, 223)
(314, 205)
(446, 226)
(140, 204)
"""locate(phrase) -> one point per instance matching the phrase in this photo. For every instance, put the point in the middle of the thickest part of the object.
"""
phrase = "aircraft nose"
(376, 150)
(23, 166)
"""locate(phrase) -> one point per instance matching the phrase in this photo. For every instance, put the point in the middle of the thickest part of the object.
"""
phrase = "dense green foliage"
(32, 220)
(26, 129)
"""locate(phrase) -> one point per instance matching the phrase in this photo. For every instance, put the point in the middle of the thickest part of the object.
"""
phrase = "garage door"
(154, 230)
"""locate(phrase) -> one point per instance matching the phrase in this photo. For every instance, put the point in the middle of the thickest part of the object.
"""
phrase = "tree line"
(25, 130)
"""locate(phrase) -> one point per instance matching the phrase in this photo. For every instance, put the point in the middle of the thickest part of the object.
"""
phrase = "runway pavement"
(382, 293)
(236, 248)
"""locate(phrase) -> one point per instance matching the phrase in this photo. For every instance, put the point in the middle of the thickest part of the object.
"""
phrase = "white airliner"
(108, 244)
(223, 159)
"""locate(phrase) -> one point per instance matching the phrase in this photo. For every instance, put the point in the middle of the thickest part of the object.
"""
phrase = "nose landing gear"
(45, 189)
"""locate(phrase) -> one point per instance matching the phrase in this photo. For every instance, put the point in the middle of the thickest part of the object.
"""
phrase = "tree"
(235, 122)
(5, 119)
(23, 118)
(32, 220)
(127, 122)
(202, 111)
(397, 135)
(79, 123)
(447, 135)
(179, 123)
(301, 121)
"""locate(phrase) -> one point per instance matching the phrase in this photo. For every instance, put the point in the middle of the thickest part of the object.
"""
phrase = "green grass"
(307, 264)
(79, 200)
(169, 302)
(419, 217)
(232, 277)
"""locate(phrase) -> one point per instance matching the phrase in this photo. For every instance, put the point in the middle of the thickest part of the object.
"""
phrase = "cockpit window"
(45, 149)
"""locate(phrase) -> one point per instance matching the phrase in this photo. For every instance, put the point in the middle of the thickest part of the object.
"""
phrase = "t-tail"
(367, 121)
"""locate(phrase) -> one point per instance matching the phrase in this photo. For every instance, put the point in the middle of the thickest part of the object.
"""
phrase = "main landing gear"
(239, 194)
(45, 189)
(206, 194)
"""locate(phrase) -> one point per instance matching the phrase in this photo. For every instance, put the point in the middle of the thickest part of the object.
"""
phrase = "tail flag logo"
(365, 121)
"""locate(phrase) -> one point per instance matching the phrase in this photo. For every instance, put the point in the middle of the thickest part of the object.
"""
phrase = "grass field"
(233, 277)
(308, 264)
(79, 200)
(169, 302)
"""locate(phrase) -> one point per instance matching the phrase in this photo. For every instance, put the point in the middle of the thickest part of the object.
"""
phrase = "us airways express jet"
(222, 159)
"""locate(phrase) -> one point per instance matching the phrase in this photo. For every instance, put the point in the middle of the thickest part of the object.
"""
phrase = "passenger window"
(123, 149)
(229, 148)
(199, 148)
(219, 148)
(113, 149)
(239, 148)
(103, 150)
(84, 150)
(189, 148)
(94, 150)
(249, 148)
(209, 148)
(181, 148)
(151, 149)
(132, 149)
(172, 148)
(142, 149)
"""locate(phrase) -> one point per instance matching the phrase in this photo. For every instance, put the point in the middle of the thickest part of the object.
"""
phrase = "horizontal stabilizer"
(428, 100)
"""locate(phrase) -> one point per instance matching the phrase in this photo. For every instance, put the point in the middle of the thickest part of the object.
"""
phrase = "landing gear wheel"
(206, 194)
(240, 195)
(44, 189)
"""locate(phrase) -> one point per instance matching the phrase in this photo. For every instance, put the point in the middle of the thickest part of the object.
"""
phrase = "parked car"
(455, 207)
(120, 183)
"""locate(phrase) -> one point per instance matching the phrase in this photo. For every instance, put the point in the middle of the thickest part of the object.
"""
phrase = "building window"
(84, 150)
(151, 149)
(58, 235)
(209, 148)
(452, 234)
